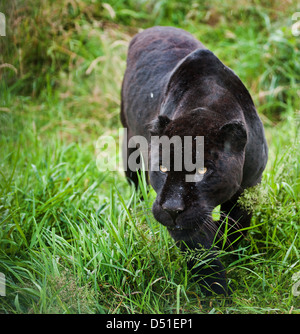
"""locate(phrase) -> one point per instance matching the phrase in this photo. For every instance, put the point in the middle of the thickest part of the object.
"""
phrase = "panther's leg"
(131, 175)
(211, 275)
(130, 171)
(233, 222)
(205, 267)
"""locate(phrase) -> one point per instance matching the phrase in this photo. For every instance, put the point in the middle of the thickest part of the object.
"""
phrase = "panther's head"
(185, 208)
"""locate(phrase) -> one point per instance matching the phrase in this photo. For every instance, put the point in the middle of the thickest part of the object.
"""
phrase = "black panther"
(175, 86)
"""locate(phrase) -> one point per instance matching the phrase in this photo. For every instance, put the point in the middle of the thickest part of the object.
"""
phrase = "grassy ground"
(77, 240)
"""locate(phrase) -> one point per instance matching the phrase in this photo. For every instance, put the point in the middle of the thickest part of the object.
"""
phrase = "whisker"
(231, 222)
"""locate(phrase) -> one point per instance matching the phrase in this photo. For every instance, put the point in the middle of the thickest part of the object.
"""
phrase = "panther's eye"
(163, 169)
(202, 171)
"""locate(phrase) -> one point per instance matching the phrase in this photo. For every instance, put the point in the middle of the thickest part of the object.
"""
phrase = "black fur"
(173, 86)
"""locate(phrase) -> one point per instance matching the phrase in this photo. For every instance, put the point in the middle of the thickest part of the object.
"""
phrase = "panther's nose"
(173, 209)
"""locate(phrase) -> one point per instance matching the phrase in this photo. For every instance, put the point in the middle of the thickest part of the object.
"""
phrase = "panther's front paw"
(211, 276)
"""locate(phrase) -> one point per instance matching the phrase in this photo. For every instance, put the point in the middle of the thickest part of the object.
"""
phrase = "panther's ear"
(192, 70)
(234, 136)
(157, 126)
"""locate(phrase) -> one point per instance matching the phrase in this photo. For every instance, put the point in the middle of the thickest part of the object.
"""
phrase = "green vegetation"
(77, 240)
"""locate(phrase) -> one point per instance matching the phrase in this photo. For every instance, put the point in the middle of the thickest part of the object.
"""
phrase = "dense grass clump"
(77, 240)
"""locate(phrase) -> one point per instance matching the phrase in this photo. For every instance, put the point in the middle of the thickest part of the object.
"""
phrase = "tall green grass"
(77, 240)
